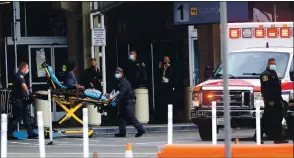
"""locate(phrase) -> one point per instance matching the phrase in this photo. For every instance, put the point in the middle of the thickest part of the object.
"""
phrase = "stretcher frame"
(70, 104)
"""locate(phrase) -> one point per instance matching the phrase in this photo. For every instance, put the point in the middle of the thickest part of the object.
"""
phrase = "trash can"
(93, 115)
(41, 103)
(142, 105)
(188, 103)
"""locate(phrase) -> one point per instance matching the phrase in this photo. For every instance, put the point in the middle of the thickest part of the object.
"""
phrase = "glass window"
(252, 64)
(43, 20)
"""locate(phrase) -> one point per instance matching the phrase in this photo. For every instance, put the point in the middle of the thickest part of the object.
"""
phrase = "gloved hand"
(27, 97)
(113, 103)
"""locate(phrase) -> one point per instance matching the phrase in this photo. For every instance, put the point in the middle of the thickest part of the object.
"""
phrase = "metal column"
(103, 59)
(100, 44)
(227, 119)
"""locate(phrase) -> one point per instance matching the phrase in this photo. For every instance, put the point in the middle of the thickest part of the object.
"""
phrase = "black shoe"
(281, 142)
(120, 135)
(12, 138)
(139, 133)
(33, 136)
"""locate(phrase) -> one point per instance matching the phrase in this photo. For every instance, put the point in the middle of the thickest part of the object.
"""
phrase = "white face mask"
(27, 71)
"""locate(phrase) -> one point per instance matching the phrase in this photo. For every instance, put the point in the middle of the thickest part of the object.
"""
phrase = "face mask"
(132, 57)
(27, 71)
(272, 67)
(117, 76)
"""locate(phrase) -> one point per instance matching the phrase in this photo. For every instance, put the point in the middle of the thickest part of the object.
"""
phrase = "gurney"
(72, 99)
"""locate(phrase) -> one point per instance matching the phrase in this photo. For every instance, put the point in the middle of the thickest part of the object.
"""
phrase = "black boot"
(120, 135)
(139, 133)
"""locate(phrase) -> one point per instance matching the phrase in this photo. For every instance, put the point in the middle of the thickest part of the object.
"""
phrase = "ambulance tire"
(205, 129)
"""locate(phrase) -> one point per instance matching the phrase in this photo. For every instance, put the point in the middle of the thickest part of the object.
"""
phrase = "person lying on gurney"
(70, 82)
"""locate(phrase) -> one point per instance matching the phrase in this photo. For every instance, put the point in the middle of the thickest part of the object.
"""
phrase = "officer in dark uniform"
(135, 71)
(23, 98)
(126, 103)
(272, 96)
(93, 76)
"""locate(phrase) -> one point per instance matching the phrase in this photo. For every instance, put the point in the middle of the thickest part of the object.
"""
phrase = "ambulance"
(250, 45)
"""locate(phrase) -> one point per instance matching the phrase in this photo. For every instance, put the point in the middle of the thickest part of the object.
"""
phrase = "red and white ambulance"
(250, 45)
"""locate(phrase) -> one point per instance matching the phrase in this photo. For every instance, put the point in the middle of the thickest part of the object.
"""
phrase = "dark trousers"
(126, 113)
(165, 97)
(272, 121)
(20, 112)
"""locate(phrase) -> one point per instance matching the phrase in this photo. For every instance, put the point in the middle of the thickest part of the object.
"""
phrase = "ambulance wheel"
(205, 130)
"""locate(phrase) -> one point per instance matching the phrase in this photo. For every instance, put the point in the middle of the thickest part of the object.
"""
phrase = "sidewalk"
(148, 127)
(103, 130)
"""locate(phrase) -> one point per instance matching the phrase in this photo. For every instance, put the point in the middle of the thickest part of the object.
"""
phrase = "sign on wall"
(208, 12)
(40, 58)
(98, 37)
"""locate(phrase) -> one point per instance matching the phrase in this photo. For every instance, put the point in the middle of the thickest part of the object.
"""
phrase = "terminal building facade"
(57, 32)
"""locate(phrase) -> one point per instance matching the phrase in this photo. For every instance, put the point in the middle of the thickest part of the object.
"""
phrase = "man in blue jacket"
(126, 102)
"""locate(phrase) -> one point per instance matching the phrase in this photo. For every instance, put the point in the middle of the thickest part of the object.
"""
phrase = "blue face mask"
(132, 57)
(272, 67)
(117, 76)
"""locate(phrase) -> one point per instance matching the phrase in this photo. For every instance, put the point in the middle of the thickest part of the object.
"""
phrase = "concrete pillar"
(86, 33)
(73, 45)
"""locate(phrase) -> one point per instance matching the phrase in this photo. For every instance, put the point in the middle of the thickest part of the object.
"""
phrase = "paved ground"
(108, 146)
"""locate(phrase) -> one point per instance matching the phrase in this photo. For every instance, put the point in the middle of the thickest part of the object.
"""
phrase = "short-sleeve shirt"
(70, 80)
(19, 79)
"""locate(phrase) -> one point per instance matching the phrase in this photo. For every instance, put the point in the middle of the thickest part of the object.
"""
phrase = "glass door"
(38, 55)
(196, 61)
(60, 59)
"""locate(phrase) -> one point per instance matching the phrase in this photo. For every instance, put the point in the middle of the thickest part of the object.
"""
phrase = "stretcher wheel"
(91, 133)
(46, 134)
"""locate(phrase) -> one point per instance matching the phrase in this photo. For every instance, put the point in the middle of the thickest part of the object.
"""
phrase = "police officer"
(272, 96)
(126, 103)
(23, 98)
(135, 71)
(93, 76)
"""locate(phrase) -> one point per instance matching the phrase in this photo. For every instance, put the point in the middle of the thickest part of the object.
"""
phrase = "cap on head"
(118, 69)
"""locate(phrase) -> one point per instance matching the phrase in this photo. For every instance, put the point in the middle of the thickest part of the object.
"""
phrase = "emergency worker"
(126, 104)
(272, 96)
(93, 76)
(23, 99)
(135, 71)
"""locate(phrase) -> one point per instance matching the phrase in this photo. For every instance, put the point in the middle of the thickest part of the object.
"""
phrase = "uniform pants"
(20, 112)
(273, 121)
(126, 113)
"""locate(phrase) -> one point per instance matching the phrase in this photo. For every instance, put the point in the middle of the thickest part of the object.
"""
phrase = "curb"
(130, 130)
(149, 129)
